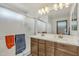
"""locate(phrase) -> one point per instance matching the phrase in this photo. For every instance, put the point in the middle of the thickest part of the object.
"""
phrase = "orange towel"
(9, 41)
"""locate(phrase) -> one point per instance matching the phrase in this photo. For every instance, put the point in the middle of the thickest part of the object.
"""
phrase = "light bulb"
(46, 9)
(43, 11)
(66, 4)
(55, 6)
(39, 11)
(60, 5)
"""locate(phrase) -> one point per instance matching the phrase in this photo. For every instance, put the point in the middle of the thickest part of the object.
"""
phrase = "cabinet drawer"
(70, 48)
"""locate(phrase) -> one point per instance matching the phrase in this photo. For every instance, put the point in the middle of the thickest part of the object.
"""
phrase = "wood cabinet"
(50, 47)
(34, 47)
(65, 50)
(59, 52)
(78, 51)
(41, 47)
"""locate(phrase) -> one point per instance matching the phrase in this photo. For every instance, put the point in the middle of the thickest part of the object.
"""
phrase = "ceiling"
(31, 9)
(62, 13)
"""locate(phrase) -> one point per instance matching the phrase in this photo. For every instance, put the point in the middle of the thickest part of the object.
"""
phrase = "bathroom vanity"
(54, 45)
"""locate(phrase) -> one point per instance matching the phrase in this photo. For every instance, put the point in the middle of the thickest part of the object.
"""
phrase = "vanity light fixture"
(60, 6)
(66, 4)
(43, 10)
(46, 9)
(55, 7)
(40, 12)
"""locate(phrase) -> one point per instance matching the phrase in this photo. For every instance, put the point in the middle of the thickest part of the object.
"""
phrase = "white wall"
(14, 23)
(29, 29)
(10, 23)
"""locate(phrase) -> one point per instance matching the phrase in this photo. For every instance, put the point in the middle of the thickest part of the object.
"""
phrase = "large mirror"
(40, 26)
(74, 19)
(62, 27)
(64, 21)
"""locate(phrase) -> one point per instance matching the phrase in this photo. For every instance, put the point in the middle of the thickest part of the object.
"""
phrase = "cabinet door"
(64, 49)
(78, 51)
(61, 53)
(49, 48)
(34, 47)
(41, 48)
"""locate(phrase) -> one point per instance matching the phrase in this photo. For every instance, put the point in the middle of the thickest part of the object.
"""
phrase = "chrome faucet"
(60, 36)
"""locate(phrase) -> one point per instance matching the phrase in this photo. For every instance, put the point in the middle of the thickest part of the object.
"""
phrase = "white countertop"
(67, 39)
